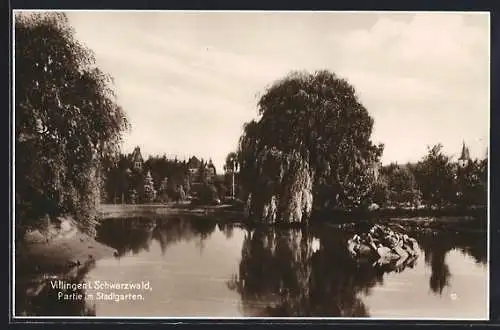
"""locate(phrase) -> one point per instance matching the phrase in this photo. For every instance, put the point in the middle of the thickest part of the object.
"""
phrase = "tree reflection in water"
(48, 303)
(136, 234)
(436, 245)
(281, 275)
(283, 272)
(173, 230)
(126, 235)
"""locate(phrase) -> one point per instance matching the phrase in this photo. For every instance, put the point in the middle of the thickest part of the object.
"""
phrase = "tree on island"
(67, 120)
(311, 145)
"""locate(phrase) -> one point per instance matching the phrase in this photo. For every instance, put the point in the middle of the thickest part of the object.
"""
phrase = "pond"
(186, 266)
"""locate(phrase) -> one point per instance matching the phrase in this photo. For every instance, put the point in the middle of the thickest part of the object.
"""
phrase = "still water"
(195, 267)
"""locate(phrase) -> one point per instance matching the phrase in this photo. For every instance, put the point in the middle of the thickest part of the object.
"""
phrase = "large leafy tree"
(434, 176)
(473, 183)
(66, 120)
(116, 181)
(311, 143)
(401, 184)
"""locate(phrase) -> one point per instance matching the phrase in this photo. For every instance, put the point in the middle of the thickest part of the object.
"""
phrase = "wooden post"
(232, 173)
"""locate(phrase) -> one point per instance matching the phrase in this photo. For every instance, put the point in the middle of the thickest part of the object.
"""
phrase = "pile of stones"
(383, 244)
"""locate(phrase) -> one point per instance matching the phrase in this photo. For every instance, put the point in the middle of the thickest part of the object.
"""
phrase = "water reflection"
(281, 273)
(48, 303)
(133, 235)
(437, 245)
(273, 272)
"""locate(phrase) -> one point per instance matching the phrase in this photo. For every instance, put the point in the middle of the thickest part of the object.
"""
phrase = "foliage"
(66, 120)
(182, 193)
(473, 183)
(283, 188)
(163, 190)
(318, 119)
(435, 178)
(186, 185)
(222, 189)
(401, 185)
(133, 195)
(166, 176)
(231, 164)
(149, 189)
(162, 167)
(380, 193)
(117, 180)
(207, 193)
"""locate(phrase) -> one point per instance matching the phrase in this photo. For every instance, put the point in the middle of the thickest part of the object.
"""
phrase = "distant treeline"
(435, 181)
(160, 179)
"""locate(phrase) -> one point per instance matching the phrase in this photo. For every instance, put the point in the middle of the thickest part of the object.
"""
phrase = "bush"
(207, 194)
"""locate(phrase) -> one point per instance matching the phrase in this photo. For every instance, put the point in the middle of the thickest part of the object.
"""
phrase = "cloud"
(190, 80)
(424, 79)
(437, 41)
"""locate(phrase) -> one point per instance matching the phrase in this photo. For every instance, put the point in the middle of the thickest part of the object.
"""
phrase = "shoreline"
(71, 257)
(67, 258)
(229, 213)
(55, 256)
(110, 211)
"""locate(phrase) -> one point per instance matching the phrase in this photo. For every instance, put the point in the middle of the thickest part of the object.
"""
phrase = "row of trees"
(435, 181)
(311, 149)
(160, 180)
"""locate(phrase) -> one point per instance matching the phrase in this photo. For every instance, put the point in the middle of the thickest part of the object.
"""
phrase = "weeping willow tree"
(310, 148)
(275, 269)
(66, 121)
(290, 278)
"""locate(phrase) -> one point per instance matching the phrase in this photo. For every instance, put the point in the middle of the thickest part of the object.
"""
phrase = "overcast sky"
(190, 80)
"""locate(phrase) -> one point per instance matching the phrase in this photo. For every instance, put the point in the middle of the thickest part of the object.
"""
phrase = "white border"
(12, 256)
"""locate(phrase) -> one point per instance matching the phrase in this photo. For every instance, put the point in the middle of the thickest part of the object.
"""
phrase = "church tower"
(137, 160)
(464, 157)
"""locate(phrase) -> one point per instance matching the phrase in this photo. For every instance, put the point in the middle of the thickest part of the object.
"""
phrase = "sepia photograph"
(250, 164)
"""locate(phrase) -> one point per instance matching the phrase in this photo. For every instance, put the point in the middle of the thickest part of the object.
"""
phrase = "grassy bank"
(39, 261)
(58, 256)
